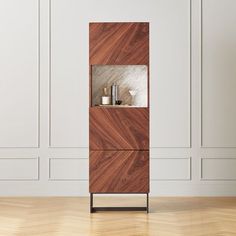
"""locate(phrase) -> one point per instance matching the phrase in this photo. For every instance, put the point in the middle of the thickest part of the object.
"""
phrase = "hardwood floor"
(70, 216)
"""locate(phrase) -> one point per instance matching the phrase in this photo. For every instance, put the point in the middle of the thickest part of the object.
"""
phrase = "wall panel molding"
(66, 132)
(21, 32)
(189, 142)
(183, 163)
(19, 169)
(232, 6)
(175, 169)
(68, 169)
(39, 70)
(218, 169)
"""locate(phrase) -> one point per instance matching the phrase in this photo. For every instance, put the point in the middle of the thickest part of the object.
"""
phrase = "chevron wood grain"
(119, 171)
(121, 128)
(70, 217)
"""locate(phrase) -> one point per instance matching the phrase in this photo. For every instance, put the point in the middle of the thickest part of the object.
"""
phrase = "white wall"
(44, 94)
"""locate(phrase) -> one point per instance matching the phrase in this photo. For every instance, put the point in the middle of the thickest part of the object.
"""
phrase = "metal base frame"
(97, 209)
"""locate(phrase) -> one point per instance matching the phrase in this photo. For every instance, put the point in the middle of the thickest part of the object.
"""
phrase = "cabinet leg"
(95, 209)
(91, 202)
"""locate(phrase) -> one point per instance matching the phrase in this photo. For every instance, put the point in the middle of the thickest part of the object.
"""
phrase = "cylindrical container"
(114, 94)
(106, 100)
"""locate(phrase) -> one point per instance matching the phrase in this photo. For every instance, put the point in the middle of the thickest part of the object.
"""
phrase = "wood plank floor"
(70, 216)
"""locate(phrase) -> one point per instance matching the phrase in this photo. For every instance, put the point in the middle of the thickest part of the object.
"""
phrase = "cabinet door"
(119, 43)
(119, 128)
(119, 172)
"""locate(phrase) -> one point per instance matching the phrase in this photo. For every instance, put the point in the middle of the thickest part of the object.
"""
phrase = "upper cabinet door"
(119, 43)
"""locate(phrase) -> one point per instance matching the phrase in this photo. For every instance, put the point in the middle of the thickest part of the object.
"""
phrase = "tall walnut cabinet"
(118, 136)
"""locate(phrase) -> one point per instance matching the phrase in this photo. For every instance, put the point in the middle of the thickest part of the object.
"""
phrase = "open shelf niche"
(127, 77)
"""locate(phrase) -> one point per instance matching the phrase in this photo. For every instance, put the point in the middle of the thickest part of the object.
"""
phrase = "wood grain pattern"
(69, 216)
(119, 136)
(119, 43)
(119, 171)
(118, 128)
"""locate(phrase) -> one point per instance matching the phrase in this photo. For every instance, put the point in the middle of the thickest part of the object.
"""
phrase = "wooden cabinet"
(119, 172)
(119, 135)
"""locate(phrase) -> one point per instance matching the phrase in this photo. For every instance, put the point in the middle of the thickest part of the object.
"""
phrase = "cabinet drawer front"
(119, 172)
(119, 128)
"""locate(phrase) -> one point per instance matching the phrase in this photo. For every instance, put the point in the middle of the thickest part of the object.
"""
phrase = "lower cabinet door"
(119, 171)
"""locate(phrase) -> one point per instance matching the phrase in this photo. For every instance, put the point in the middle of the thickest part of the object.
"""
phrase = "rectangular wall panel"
(69, 76)
(218, 168)
(170, 74)
(19, 168)
(68, 169)
(19, 73)
(170, 87)
(218, 73)
(171, 169)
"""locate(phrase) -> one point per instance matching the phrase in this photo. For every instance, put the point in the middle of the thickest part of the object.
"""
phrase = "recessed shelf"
(116, 106)
(127, 77)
